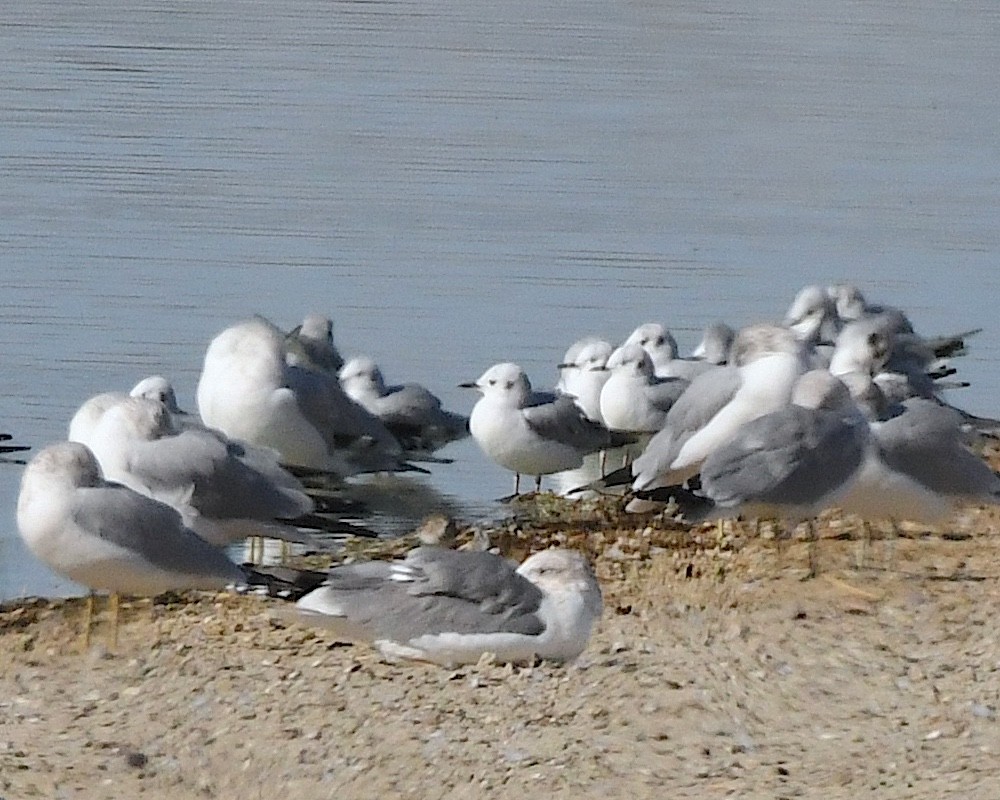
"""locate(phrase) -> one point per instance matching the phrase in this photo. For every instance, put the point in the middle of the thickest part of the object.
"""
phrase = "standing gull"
(106, 536)
(662, 348)
(585, 376)
(534, 433)
(766, 362)
(452, 607)
(790, 464)
(633, 398)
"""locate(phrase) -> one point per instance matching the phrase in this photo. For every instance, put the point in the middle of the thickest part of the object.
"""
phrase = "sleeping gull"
(107, 537)
(310, 345)
(410, 412)
(452, 607)
(716, 341)
(766, 362)
(790, 464)
(918, 469)
(225, 492)
(535, 433)
(248, 391)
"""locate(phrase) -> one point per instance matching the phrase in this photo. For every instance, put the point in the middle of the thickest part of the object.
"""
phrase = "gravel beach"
(717, 670)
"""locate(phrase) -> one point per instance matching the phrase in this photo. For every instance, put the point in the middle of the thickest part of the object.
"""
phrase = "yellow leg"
(812, 549)
(115, 605)
(88, 616)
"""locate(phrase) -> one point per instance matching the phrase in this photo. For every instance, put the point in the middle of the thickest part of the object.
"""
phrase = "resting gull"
(452, 607)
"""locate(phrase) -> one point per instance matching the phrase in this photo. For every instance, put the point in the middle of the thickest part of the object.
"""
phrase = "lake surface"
(460, 183)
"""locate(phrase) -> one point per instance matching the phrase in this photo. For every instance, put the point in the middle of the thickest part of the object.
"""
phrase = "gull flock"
(838, 405)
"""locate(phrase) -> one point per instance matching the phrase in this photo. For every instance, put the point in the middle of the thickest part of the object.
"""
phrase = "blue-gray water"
(459, 183)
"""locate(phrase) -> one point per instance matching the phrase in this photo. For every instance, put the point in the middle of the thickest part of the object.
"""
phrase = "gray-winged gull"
(527, 432)
(585, 376)
(634, 398)
(249, 392)
(108, 537)
(451, 607)
(411, 412)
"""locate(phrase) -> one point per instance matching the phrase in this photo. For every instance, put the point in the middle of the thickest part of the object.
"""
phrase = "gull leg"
(88, 616)
(890, 545)
(812, 547)
(538, 484)
(114, 607)
(864, 546)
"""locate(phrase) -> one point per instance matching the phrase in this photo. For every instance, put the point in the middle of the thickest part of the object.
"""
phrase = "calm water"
(458, 183)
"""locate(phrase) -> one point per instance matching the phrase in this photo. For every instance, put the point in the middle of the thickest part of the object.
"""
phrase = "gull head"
(504, 381)
(759, 341)
(361, 376)
(848, 301)
(138, 418)
(631, 359)
(811, 307)
(560, 572)
(654, 339)
(591, 357)
(68, 463)
(157, 388)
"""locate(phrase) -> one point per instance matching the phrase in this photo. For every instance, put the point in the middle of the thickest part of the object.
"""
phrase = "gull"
(452, 607)
(585, 376)
(813, 316)
(310, 345)
(790, 464)
(535, 433)
(633, 398)
(569, 360)
(918, 469)
(410, 412)
(86, 418)
(662, 348)
(108, 537)
(766, 361)
(224, 491)
(851, 305)
(716, 341)
(248, 391)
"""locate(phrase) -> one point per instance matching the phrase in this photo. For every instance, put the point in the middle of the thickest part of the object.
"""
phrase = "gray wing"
(435, 590)
(415, 417)
(666, 392)
(794, 457)
(704, 398)
(153, 530)
(344, 424)
(223, 486)
(924, 442)
(562, 420)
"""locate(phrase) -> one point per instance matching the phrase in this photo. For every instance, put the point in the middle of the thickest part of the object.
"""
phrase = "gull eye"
(493, 381)
(659, 340)
(509, 384)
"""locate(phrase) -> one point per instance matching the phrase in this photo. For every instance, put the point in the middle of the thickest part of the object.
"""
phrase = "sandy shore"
(716, 671)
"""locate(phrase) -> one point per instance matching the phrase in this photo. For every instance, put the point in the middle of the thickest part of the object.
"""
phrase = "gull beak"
(469, 385)
(565, 366)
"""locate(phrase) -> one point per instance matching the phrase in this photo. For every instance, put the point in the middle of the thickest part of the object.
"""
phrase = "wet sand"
(717, 670)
